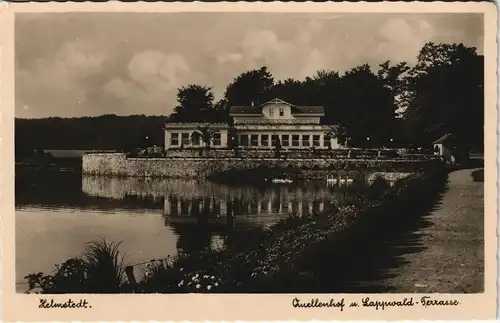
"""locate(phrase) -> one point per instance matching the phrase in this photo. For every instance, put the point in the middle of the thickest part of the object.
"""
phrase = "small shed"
(445, 146)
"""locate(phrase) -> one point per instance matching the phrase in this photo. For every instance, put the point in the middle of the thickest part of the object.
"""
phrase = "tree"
(394, 78)
(207, 134)
(107, 132)
(195, 105)
(447, 95)
(322, 90)
(365, 108)
(252, 86)
(433, 55)
(336, 132)
(289, 90)
(221, 112)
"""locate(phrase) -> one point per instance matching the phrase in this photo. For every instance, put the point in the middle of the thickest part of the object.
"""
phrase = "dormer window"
(271, 112)
(282, 112)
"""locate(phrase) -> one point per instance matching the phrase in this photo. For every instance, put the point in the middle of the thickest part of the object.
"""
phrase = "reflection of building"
(175, 206)
(120, 187)
(264, 126)
(199, 222)
(204, 214)
(207, 203)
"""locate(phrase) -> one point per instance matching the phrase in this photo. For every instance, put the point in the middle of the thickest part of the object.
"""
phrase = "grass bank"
(316, 253)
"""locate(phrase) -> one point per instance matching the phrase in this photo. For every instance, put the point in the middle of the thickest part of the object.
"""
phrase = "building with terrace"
(265, 126)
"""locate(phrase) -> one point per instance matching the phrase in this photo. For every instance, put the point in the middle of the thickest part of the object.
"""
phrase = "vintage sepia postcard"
(248, 161)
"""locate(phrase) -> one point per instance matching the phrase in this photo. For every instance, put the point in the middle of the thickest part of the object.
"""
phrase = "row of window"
(283, 140)
(194, 139)
(187, 139)
(281, 112)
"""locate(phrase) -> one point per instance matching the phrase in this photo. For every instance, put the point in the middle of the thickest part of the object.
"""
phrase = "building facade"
(263, 126)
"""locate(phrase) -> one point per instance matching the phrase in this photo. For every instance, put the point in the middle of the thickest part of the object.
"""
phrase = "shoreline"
(286, 239)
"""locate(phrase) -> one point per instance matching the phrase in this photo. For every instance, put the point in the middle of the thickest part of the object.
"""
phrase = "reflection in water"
(202, 212)
(200, 200)
(152, 217)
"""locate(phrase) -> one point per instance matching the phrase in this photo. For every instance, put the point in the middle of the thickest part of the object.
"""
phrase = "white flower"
(205, 276)
(212, 277)
(196, 275)
(216, 284)
(193, 278)
(181, 269)
(198, 286)
(209, 287)
(179, 284)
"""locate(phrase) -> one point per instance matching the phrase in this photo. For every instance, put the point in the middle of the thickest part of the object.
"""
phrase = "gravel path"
(453, 260)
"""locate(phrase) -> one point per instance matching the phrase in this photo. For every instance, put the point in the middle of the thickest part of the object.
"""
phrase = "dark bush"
(478, 175)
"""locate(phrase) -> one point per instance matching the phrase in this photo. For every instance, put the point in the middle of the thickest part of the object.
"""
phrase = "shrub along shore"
(315, 253)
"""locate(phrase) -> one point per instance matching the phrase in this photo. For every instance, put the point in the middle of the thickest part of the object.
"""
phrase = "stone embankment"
(118, 164)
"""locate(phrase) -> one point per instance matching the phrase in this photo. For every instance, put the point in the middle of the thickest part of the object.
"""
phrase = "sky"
(90, 64)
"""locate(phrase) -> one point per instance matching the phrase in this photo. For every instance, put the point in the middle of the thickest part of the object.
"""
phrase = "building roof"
(308, 109)
(245, 110)
(444, 138)
(257, 110)
(275, 101)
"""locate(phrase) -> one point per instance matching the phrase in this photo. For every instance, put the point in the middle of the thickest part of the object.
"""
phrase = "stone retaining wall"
(117, 164)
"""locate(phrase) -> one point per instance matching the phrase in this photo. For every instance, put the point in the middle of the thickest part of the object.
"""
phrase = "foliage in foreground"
(99, 270)
(280, 257)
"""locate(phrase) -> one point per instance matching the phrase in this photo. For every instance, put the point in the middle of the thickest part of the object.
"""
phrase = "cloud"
(257, 44)
(152, 76)
(231, 58)
(294, 57)
(307, 33)
(57, 84)
(99, 63)
(124, 89)
(76, 55)
(401, 39)
(156, 69)
(314, 61)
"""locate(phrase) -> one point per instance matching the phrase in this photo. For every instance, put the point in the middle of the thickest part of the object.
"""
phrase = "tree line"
(107, 132)
(390, 104)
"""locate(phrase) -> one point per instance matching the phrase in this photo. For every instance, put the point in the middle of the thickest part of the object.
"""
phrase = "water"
(57, 213)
